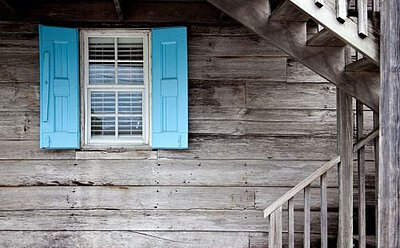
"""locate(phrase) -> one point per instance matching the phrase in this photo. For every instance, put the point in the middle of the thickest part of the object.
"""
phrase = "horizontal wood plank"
(163, 172)
(123, 239)
(146, 220)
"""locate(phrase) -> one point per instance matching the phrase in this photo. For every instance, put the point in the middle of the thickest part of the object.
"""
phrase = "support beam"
(291, 38)
(345, 115)
(389, 147)
(118, 9)
(7, 7)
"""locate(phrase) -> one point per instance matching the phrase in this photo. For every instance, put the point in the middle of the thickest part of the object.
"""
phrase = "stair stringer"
(290, 37)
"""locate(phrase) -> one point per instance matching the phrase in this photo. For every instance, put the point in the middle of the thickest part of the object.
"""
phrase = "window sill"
(116, 148)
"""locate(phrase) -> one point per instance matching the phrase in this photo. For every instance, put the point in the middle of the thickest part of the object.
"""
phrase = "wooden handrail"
(318, 173)
(370, 137)
(296, 189)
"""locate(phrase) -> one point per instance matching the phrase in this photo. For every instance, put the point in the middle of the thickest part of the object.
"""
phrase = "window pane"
(130, 103)
(102, 102)
(130, 73)
(130, 126)
(130, 49)
(101, 73)
(103, 126)
(101, 48)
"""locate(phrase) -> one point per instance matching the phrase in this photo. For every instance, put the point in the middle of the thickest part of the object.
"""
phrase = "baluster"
(362, 17)
(324, 212)
(341, 10)
(291, 223)
(376, 157)
(375, 6)
(275, 229)
(361, 177)
(307, 217)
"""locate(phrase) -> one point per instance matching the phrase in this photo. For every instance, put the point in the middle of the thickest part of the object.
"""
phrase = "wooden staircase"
(284, 24)
(344, 49)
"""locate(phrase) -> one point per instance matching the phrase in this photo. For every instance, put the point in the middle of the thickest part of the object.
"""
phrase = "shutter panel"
(169, 88)
(59, 88)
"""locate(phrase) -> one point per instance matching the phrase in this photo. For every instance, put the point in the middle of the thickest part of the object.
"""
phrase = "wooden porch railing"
(274, 211)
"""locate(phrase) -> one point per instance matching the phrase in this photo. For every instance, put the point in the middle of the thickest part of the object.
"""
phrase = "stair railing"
(361, 7)
(274, 211)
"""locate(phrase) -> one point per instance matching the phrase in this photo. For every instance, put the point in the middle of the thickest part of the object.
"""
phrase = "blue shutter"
(59, 88)
(169, 88)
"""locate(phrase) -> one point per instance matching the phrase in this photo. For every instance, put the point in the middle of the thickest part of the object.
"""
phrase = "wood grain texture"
(291, 38)
(345, 113)
(389, 119)
(146, 220)
(123, 239)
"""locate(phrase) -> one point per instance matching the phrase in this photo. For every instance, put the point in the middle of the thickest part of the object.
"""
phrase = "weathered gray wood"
(27, 62)
(345, 115)
(253, 147)
(362, 8)
(324, 211)
(242, 68)
(258, 240)
(264, 198)
(118, 9)
(341, 10)
(291, 234)
(208, 43)
(166, 197)
(147, 220)
(258, 97)
(361, 65)
(345, 28)
(162, 172)
(365, 140)
(302, 185)
(136, 12)
(325, 38)
(287, 12)
(19, 96)
(291, 38)
(389, 140)
(19, 125)
(307, 218)
(376, 174)
(275, 229)
(298, 73)
(128, 198)
(361, 178)
(123, 239)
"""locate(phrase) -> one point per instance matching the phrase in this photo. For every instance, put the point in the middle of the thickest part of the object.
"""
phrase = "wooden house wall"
(259, 123)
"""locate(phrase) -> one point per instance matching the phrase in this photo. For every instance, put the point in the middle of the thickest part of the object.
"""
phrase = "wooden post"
(389, 141)
(361, 178)
(345, 115)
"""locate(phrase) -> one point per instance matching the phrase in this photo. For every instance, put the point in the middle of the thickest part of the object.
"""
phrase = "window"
(116, 87)
(100, 95)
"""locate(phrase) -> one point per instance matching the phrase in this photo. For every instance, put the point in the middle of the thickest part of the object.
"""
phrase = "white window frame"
(86, 88)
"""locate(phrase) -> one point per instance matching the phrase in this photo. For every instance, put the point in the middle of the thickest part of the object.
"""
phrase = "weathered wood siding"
(260, 122)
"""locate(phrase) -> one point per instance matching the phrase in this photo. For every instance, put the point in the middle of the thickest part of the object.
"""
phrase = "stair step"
(325, 38)
(288, 12)
(361, 65)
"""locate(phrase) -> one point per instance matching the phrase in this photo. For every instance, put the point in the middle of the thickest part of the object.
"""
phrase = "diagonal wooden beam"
(118, 9)
(5, 5)
(291, 38)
